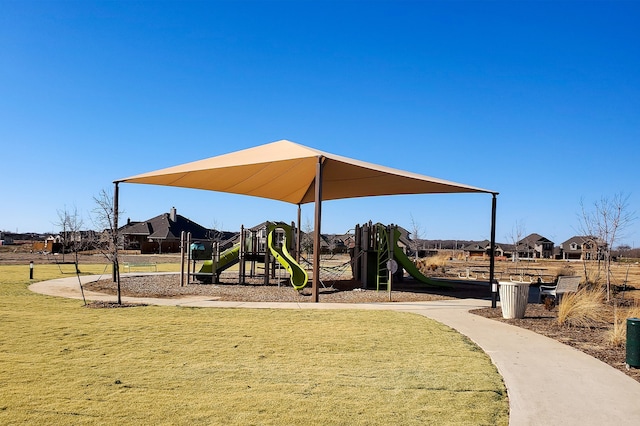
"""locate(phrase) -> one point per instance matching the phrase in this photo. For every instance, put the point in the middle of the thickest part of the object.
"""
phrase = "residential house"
(483, 249)
(535, 246)
(582, 247)
(336, 243)
(162, 233)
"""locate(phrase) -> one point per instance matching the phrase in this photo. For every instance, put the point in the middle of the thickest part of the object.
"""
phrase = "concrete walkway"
(548, 383)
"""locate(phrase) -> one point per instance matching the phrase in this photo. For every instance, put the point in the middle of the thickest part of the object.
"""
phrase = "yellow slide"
(298, 275)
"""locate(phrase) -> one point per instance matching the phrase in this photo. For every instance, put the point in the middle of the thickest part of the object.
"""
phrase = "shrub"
(549, 302)
(584, 308)
(432, 263)
(565, 270)
(617, 336)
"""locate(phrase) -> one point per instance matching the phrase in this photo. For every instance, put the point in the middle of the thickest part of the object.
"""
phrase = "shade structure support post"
(492, 257)
(391, 229)
(316, 238)
(298, 236)
(116, 264)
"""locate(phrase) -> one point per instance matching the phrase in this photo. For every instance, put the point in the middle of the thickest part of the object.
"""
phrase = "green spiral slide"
(298, 276)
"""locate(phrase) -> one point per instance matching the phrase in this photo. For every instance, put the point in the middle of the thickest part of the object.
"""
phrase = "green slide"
(410, 267)
(228, 258)
(298, 276)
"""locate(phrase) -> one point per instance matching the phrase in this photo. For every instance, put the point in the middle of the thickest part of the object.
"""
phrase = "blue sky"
(538, 101)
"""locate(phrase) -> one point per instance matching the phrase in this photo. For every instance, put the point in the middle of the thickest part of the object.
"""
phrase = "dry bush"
(584, 308)
(594, 279)
(549, 303)
(439, 259)
(460, 256)
(565, 270)
(432, 263)
(617, 336)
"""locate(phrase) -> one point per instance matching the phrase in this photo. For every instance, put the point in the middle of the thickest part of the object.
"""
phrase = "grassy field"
(62, 363)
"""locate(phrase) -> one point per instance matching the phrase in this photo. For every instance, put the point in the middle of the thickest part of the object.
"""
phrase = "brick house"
(535, 246)
(161, 234)
(582, 247)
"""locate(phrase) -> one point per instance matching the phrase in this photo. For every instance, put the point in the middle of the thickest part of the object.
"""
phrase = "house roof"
(482, 246)
(162, 227)
(534, 238)
(478, 246)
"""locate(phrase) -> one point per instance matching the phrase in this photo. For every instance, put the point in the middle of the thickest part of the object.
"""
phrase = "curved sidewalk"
(548, 383)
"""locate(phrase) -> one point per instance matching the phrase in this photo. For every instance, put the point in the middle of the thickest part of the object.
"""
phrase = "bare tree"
(515, 237)
(103, 217)
(71, 223)
(416, 231)
(215, 233)
(307, 237)
(606, 222)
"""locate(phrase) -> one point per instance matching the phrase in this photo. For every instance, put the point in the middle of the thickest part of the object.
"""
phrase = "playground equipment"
(298, 275)
(222, 261)
(377, 258)
(263, 243)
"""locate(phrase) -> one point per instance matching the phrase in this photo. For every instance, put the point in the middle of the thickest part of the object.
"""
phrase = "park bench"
(150, 266)
(478, 273)
(564, 285)
(533, 275)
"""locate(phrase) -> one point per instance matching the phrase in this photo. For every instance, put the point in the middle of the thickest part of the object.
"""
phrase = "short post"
(494, 293)
(182, 253)
(31, 270)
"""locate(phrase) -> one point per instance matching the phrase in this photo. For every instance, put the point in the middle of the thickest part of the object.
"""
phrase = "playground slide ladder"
(384, 256)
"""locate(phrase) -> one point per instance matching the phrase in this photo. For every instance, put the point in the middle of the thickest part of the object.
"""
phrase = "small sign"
(392, 265)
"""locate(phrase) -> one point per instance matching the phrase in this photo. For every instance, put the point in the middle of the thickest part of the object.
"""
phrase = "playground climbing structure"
(264, 244)
(378, 260)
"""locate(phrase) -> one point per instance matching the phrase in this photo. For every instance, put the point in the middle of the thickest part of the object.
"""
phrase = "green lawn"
(62, 363)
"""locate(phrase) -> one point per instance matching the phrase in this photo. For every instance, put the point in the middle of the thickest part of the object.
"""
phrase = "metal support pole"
(116, 263)
(241, 256)
(298, 235)
(316, 239)
(492, 258)
(115, 231)
(390, 262)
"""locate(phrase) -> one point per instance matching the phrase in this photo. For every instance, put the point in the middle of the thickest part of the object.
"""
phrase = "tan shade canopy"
(286, 171)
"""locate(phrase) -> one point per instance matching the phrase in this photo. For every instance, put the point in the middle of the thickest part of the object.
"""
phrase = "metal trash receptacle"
(513, 298)
(633, 342)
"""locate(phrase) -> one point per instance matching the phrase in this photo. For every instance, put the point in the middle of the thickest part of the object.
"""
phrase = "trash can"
(633, 342)
(513, 299)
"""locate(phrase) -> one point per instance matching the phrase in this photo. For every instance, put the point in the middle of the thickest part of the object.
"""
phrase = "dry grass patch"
(62, 363)
(429, 264)
(617, 336)
(584, 308)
